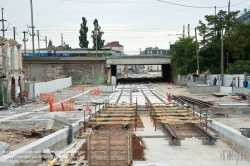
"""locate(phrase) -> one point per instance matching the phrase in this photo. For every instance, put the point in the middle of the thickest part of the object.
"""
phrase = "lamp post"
(96, 31)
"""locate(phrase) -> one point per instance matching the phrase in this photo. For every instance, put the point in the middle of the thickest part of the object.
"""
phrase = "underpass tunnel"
(113, 70)
(166, 72)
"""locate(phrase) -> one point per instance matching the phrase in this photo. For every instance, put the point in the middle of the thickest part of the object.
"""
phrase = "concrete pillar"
(8, 92)
(207, 142)
(17, 88)
(174, 142)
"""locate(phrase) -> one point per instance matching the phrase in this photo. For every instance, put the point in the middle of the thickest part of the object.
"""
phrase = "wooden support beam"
(102, 119)
(113, 122)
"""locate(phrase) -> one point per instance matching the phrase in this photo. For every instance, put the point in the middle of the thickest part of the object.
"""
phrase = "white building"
(11, 72)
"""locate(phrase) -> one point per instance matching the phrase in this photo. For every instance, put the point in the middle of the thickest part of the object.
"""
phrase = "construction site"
(137, 124)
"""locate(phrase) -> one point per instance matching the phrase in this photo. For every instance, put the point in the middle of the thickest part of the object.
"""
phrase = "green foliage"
(100, 42)
(50, 43)
(240, 66)
(183, 59)
(236, 40)
(83, 41)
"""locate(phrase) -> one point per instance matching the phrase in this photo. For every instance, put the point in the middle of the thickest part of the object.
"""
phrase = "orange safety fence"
(61, 105)
(79, 87)
(95, 91)
(45, 96)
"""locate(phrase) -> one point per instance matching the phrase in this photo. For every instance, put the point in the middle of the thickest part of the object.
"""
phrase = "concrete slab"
(191, 152)
(149, 129)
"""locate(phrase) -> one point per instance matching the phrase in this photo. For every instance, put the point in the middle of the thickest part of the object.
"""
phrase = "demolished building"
(11, 72)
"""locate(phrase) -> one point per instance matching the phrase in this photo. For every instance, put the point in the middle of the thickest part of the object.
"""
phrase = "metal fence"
(204, 89)
(240, 90)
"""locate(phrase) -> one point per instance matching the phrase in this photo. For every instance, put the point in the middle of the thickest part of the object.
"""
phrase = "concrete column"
(17, 87)
(8, 92)
(207, 142)
(174, 143)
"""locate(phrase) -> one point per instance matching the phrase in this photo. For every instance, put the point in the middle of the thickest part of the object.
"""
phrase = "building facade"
(11, 72)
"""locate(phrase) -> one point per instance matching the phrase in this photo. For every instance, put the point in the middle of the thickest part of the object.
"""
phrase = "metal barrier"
(240, 90)
(204, 89)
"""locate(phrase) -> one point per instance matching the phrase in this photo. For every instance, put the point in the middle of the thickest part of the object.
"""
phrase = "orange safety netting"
(79, 87)
(45, 96)
(61, 105)
(95, 91)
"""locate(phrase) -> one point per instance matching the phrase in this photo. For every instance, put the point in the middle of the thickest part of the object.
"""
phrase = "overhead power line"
(200, 7)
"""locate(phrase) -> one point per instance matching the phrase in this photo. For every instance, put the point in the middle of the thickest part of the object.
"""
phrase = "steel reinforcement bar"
(198, 103)
(171, 132)
(204, 132)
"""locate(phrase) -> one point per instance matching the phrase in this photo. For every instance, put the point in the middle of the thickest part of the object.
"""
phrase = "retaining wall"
(55, 142)
(35, 89)
(233, 138)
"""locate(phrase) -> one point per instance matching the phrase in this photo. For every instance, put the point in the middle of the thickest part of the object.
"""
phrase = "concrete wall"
(83, 72)
(233, 138)
(139, 60)
(51, 86)
(225, 89)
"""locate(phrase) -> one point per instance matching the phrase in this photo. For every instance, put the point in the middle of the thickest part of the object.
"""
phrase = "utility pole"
(96, 31)
(14, 32)
(198, 67)
(222, 59)
(227, 60)
(229, 7)
(38, 42)
(188, 31)
(215, 20)
(183, 35)
(46, 42)
(3, 24)
(62, 39)
(24, 41)
(32, 27)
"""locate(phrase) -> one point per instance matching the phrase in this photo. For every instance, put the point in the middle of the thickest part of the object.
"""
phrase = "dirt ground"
(235, 117)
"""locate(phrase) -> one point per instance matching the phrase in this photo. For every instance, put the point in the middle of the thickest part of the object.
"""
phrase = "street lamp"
(96, 32)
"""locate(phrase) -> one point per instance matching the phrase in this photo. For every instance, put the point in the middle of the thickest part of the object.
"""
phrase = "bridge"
(138, 60)
(87, 70)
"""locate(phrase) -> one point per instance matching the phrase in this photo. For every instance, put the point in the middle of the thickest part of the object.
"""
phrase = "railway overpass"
(112, 62)
(87, 70)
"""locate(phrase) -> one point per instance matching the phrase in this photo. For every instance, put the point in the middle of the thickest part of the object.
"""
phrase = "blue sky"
(136, 24)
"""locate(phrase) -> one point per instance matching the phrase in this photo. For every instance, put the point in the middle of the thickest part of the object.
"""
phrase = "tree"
(50, 43)
(100, 42)
(210, 53)
(83, 41)
(183, 60)
(240, 66)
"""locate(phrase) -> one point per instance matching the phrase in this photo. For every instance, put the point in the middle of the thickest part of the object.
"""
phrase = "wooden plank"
(98, 148)
(117, 142)
(112, 163)
(114, 122)
(119, 152)
(117, 157)
(117, 162)
(98, 152)
(98, 137)
(99, 157)
(108, 149)
(89, 150)
(126, 149)
(118, 137)
(117, 148)
(98, 142)
(108, 118)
